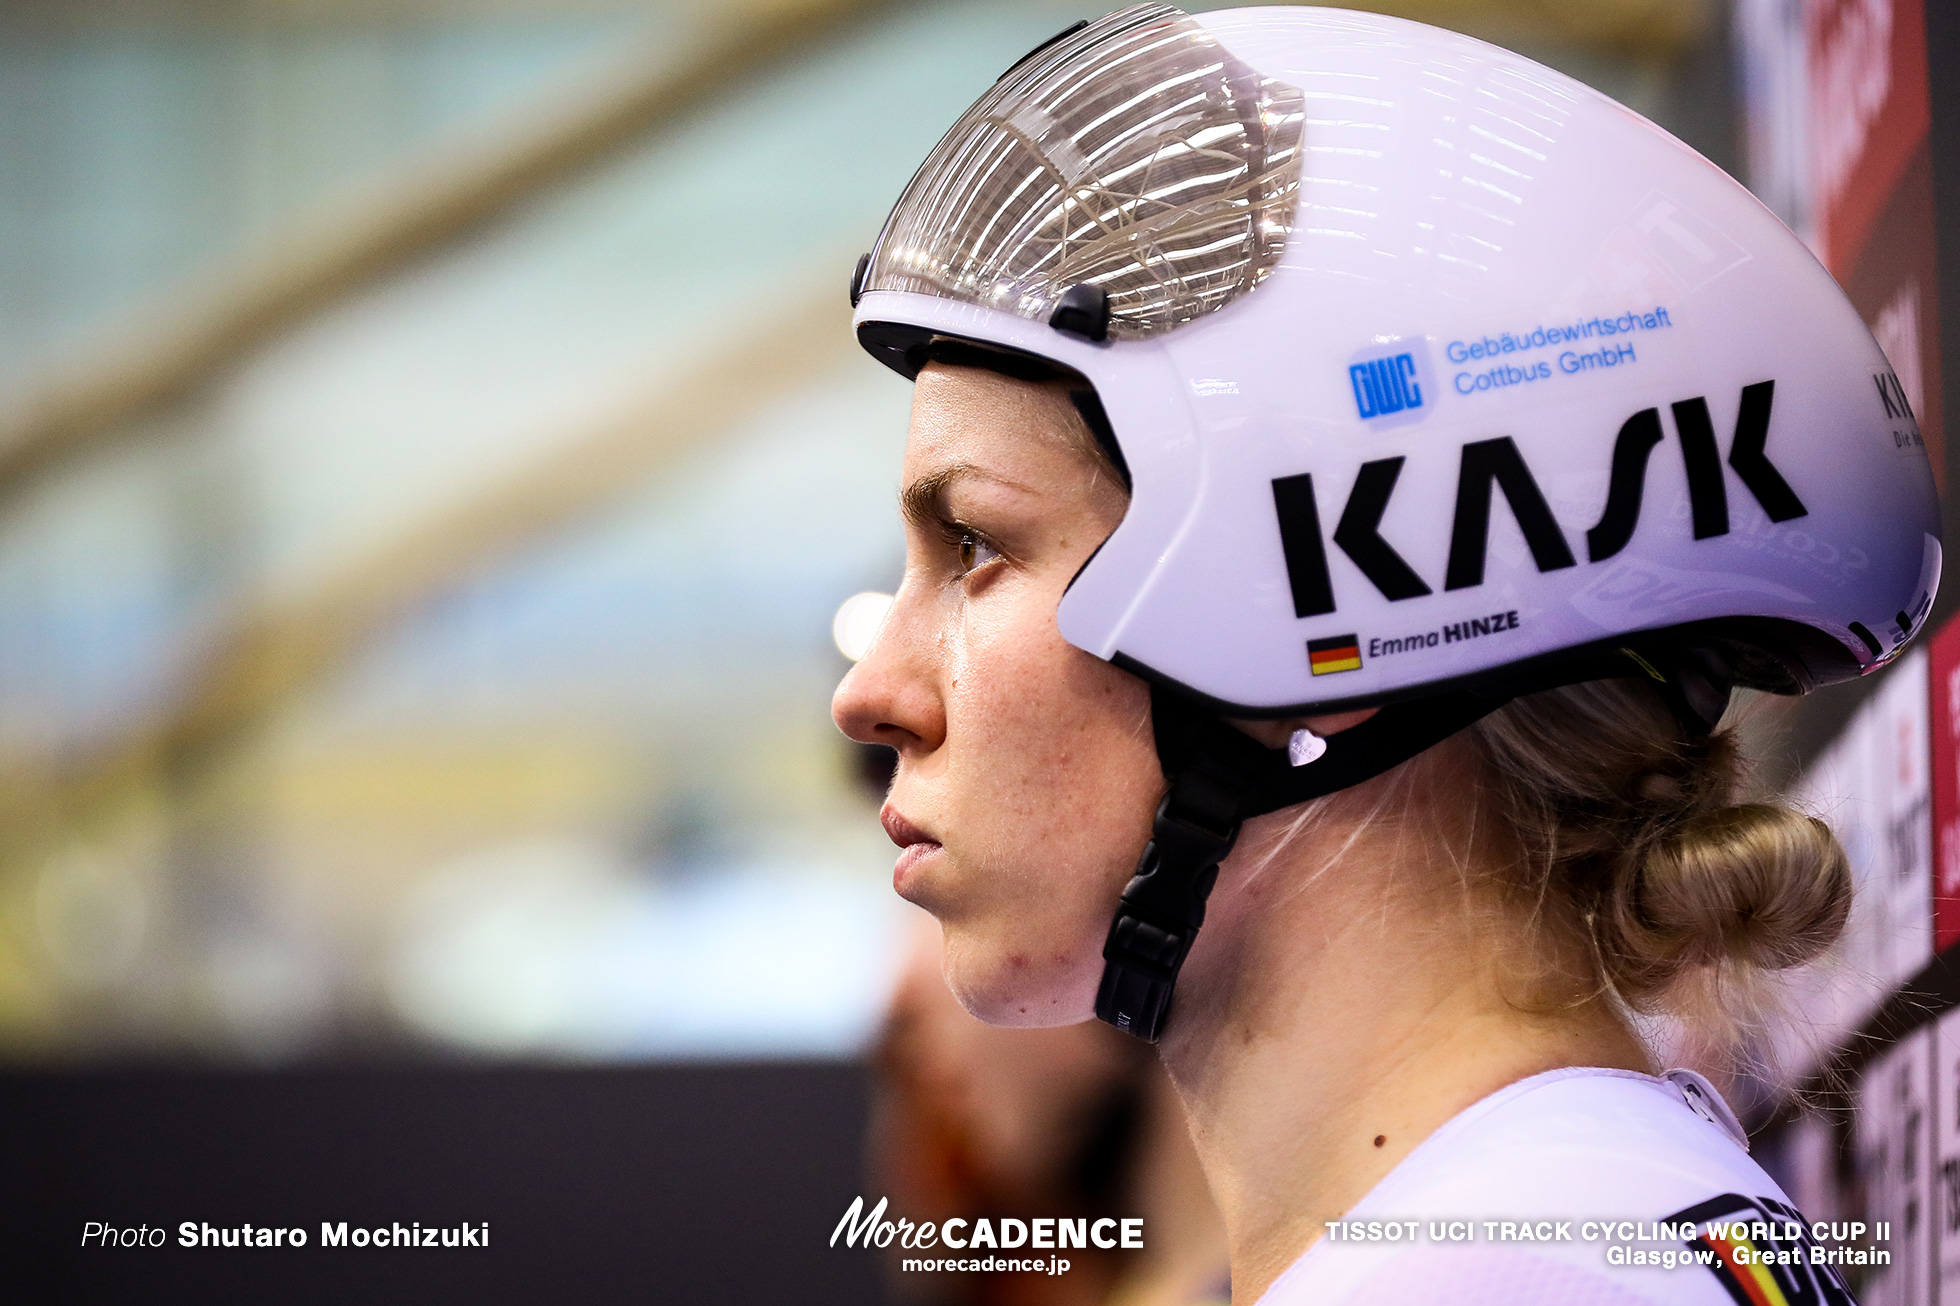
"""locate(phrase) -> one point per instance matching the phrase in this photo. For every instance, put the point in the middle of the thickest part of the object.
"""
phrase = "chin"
(1003, 982)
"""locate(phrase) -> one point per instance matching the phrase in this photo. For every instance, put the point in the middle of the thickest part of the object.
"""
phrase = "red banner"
(1869, 125)
(1944, 686)
(1869, 114)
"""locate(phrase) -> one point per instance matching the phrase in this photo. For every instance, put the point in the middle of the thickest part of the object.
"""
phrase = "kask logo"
(1385, 386)
(1493, 468)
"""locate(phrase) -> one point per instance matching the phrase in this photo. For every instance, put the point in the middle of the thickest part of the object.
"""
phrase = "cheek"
(1052, 737)
(1053, 780)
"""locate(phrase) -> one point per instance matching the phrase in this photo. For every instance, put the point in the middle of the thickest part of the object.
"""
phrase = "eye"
(975, 552)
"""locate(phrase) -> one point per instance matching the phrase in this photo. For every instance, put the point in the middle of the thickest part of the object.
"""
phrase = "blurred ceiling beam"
(265, 656)
(1623, 26)
(259, 15)
(168, 350)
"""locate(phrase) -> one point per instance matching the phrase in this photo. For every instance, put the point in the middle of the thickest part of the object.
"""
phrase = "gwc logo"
(1385, 386)
(1391, 381)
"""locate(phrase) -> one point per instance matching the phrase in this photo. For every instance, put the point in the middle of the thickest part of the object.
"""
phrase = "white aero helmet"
(1437, 377)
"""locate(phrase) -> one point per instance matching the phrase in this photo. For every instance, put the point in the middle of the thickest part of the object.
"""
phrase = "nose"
(891, 696)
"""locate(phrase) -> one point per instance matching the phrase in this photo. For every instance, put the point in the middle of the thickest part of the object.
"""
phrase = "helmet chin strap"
(1221, 777)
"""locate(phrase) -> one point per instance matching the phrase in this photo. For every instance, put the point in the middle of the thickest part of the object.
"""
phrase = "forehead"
(970, 415)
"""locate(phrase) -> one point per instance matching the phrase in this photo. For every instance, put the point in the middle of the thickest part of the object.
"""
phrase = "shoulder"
(1552, 1190)
(1597, 1142)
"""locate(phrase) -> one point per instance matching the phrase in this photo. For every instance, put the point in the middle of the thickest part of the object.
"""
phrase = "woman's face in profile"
(1026, 774)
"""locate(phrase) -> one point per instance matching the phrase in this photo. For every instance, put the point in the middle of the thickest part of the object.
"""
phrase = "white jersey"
(1549, 1191)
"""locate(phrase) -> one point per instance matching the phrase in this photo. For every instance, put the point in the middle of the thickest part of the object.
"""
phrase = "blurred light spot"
(91, 921)
(857, 622)
(272, 988)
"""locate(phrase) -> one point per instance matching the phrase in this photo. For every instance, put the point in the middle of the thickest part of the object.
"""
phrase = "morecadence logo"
(871, 1229)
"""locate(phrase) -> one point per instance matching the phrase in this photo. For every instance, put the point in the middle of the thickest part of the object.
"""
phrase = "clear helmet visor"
(1135, 154)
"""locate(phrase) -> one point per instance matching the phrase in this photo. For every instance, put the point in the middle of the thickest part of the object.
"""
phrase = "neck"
(1184, 1246)
(1345, 1001)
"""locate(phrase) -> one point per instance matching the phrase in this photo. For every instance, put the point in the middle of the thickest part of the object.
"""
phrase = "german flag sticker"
(1341, 653)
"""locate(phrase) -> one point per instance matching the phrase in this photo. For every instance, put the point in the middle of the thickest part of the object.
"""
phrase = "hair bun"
(1754, 885)
(1629, 839)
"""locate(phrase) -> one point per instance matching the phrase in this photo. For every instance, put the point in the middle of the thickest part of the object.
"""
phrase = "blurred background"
(432, 452)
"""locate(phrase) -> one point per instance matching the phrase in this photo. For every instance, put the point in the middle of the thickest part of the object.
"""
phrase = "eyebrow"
(923, 502)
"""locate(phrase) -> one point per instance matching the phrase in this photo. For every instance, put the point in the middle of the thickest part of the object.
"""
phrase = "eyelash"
(966, 544)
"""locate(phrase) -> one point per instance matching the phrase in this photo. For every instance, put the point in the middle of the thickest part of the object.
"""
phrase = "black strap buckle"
(1164, 903)
(1220, 777)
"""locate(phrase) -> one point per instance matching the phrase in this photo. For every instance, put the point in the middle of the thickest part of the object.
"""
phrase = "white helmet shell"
(1525, 375)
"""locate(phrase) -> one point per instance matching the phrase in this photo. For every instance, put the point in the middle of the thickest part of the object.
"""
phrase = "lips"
(902, 832)
(917, 845)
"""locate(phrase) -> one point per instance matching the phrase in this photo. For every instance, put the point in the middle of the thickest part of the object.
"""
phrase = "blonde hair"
(1628, 839)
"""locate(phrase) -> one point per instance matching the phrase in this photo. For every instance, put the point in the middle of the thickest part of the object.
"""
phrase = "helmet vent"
(1135, 154)
(1082, 310)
